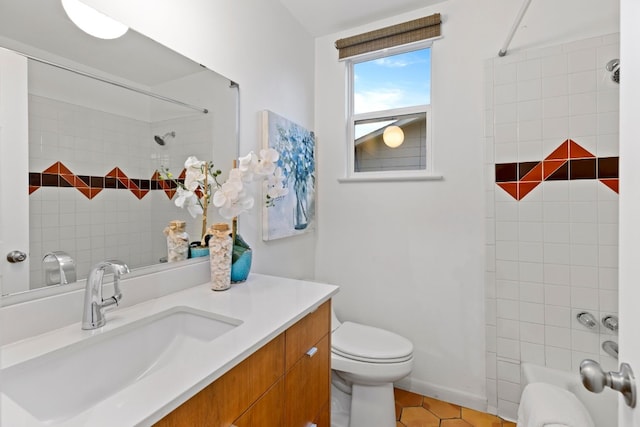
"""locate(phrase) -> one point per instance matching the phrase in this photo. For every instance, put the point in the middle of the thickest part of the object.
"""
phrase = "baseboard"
(468, 400)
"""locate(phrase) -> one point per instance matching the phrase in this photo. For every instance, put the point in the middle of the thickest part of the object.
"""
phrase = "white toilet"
(365, 361)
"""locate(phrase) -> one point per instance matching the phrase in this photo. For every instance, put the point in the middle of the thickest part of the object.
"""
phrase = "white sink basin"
(68, 381)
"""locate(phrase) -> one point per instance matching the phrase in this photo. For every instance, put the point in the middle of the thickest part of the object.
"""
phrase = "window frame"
(352, 118)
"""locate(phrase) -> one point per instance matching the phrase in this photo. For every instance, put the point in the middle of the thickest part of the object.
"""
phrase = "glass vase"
(220, 249)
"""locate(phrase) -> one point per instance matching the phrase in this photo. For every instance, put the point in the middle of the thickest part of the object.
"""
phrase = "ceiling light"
(393, 136)
(93, 22)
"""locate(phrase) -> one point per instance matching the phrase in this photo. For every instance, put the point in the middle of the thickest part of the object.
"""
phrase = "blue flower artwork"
(294, 213)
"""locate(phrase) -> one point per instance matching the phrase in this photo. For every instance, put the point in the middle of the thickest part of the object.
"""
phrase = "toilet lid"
(369, 344)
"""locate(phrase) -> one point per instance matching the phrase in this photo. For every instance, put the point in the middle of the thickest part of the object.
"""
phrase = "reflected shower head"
(161, 140)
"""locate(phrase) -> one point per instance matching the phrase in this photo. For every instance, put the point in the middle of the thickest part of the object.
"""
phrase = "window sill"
(395, 178)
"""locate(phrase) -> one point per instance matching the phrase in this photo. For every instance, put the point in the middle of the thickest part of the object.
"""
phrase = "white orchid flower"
(247, 166)
(240, 205)
(269, 155)
(267, 163)
(227, 194)
(195, 210)
(188, 199)
(192, 162)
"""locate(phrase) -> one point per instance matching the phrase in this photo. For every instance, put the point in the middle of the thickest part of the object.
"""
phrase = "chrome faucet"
(94, 304)
(61, 263)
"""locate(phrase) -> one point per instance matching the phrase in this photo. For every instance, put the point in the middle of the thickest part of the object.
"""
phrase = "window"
(390, 113)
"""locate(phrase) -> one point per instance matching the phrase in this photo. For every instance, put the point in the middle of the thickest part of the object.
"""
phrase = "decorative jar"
(177, 241)
(220, 249)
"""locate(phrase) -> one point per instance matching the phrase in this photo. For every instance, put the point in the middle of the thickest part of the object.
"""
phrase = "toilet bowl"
(365, 362)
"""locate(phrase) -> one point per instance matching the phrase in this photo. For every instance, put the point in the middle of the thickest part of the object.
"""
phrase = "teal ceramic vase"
(241, 268)
(197, 252)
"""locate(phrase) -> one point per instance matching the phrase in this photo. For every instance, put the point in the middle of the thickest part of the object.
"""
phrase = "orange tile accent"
(71, 179)
(86, 191)
(64, 170)
(440, 408)
(550, 166)
(480, 419)
(80, 184)
(578, 152)
(525, 188)
(560, 153)
(510, 187)
(418, 417)
(93, 192)
(113, 173)
(54, 168)
(613, 183)
(414, 415)
(455, 423)
(407, 398)
(534, 174)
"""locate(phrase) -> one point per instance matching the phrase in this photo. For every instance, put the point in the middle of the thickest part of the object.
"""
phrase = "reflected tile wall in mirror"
(115, 223)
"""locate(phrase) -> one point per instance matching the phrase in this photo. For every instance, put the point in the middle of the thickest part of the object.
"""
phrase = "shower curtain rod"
(112, 82)
(514, 28)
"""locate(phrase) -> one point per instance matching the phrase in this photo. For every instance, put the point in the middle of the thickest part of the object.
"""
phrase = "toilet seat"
(369, 344)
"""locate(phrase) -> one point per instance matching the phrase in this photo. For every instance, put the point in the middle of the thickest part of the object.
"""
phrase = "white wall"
(257, 44)
(410, 256)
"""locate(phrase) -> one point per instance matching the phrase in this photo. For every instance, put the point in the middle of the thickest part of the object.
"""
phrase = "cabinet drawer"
(229, 396)
(307, 386)
(268, 411)
(304, 334)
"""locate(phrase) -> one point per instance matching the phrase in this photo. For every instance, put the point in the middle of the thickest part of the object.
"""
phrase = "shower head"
(161, 140)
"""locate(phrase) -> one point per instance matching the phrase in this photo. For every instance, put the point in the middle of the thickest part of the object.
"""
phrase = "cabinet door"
(307, 386)
(266, 412)
(324, 417)
(308, 331)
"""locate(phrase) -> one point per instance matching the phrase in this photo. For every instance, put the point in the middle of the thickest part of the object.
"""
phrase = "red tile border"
(557, 167)
(58, 175)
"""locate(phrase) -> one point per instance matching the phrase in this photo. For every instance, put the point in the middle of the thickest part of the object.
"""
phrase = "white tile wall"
(115, 223)
(554, 253)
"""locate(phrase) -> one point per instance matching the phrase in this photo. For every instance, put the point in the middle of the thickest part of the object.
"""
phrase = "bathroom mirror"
(95, 146)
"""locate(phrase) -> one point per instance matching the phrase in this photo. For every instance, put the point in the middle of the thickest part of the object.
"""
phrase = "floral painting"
(293, 212)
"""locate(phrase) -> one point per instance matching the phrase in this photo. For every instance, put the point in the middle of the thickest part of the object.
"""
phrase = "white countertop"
(266, 305)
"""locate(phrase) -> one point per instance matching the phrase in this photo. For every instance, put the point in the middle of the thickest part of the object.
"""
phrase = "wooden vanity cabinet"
(284, 383)
(308, 374)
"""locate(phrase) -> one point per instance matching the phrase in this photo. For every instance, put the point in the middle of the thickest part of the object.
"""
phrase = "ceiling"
(329, 16)
(45, 26)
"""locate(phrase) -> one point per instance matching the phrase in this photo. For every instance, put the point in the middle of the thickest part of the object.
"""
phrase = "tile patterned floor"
(414, 410)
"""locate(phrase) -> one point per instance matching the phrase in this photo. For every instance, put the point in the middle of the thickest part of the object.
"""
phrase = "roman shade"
(395, 35)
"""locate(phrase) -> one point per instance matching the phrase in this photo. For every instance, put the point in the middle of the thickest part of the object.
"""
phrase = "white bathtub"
(603, 407)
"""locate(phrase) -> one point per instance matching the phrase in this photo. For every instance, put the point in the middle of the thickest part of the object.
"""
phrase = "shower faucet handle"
(610, 322)
(587, 319)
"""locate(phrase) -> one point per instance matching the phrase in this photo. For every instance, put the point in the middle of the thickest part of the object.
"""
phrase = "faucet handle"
(119, 268)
